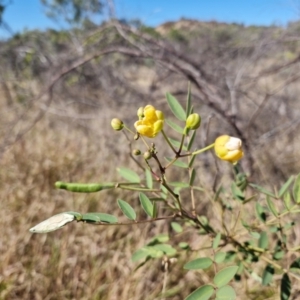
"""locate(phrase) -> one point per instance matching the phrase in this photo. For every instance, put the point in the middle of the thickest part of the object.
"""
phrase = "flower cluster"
(151, 121)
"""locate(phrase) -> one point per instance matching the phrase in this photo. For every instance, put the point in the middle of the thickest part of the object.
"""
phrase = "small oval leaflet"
(53, 223)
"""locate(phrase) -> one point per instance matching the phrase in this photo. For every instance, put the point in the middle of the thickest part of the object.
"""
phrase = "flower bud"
(193, 121)
(136, 152)
(117, 124)
(229, 148)
(147, 155)
(140, 112)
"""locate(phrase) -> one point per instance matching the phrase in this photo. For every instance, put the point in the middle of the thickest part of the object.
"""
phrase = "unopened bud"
(117, 124)
(193, 121)
(229, 148)
(136, 137)
(136, 152)
(140, 112)
(147, 155)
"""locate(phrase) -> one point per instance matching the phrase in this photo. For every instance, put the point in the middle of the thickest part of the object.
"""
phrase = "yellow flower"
(151, 122)
(229, 148)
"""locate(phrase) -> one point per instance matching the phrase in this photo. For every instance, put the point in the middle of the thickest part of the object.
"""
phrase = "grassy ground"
(82, 261)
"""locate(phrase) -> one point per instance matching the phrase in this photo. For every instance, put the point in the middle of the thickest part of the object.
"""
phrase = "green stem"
(136, 222)
(169, 143)
(175, 196)
(203, 149)
(141, 189)
(144, 141)
(170, 163)
(181, 144)
(128, 129)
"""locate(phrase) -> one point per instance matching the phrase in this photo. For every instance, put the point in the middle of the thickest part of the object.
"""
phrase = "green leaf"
(166, 249)
(230, 256)
(285, 187)
(198, 188)
(174, 126)
(285, 288)
(146, 252)
(176, 107)
(146, 204)
(177, 163)
(154, 209)
(220, 257)
(140, 254)
(188, 101)
(202, 293)
(216, 241)
(176, 227)
(127, 210)
(164, 193)
(184, 245)
(160, 238)
(263, 240)
(191, 141)
(226, 292)
(296, 189)
(278, 255)
(262, 190)
(192, 177)
(236, 192)
(256, 235)
(225, 275)
(176, 144)
(199, 263)
(192, 160)
(129, 174)
(218, 193)
(77, 215)
(177, 190)
(268, 275)
(295, 266)
(287, 201)
(149, 179)
(260, 212)
(99, 217)
(153, 252)
(179, 184)
(271, 206)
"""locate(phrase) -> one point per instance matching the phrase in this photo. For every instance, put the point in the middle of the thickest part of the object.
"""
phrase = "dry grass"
(80, 261)
(87, 262)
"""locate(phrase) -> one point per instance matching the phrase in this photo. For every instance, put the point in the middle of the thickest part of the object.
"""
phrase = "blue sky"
(29, 14)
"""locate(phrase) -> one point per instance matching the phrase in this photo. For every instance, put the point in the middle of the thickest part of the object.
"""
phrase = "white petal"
(53, 223)
(233, 144)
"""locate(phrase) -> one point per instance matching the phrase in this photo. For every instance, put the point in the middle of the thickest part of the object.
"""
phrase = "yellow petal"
(159, 115)
(157, 127)
(145, 130)
(149, 113)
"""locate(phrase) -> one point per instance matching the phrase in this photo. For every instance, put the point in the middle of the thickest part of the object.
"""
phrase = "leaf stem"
(203, 149)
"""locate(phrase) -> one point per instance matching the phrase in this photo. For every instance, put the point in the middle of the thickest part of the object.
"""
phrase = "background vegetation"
(59, 91)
